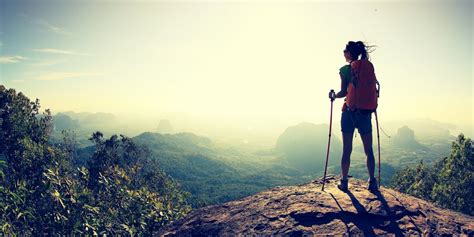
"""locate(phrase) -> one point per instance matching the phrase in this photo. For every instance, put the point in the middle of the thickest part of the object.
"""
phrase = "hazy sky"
(259, 61)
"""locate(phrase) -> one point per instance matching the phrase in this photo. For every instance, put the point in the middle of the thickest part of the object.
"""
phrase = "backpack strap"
(378, 88)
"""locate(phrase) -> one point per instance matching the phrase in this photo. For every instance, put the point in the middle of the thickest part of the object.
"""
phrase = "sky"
(237, 62)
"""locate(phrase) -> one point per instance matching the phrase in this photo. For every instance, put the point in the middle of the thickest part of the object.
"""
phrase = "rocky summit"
(305, 210)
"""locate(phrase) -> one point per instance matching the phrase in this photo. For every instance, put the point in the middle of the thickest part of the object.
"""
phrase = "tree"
(454, 188)
(120, 172)
(120, 192)
(448, 182)
(23, 136)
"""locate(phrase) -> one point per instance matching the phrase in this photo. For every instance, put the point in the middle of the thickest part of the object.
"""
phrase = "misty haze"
(136, 117)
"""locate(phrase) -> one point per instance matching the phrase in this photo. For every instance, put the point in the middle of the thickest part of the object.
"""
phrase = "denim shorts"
(354, 119)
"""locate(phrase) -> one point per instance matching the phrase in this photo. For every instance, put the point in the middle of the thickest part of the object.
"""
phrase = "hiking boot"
(343, 185)
(373, 186)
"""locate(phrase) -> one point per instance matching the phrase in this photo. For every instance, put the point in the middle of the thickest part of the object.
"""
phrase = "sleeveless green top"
(346, 73)
(346, 77)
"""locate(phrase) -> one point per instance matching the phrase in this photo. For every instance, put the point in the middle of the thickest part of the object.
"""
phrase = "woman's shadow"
(365, 221)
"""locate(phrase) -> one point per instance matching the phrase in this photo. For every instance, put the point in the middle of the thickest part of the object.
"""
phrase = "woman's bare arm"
(344, 85)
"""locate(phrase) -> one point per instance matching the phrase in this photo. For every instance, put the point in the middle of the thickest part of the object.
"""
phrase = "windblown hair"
(358, 48)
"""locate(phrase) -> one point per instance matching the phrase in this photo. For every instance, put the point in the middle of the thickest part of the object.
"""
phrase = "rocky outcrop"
(306, 210)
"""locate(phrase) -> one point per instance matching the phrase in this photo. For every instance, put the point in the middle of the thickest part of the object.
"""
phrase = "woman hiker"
(358, 86)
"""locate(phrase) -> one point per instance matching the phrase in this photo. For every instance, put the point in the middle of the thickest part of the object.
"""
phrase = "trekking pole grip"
(332, 95)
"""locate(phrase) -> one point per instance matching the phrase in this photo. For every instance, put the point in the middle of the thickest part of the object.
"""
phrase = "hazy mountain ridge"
(214, 173)
(425, 129)
(188, 142)
(165, 126)
(90, 118)
(298, 156)
(204, 171)
(305, 144)
(405, 139)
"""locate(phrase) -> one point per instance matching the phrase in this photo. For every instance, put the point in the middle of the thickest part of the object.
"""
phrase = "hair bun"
(360, 47)
(357, 48)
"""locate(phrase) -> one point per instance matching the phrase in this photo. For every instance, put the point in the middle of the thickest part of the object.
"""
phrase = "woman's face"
(347, 55)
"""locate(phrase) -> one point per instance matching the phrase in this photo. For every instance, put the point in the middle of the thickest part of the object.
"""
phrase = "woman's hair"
(358, 48)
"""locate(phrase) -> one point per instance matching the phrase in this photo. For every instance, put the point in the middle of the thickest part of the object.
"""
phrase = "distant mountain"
(305, 210)
(405, 139)
(202, 170)
(64, 122)
(180, 142)
(87, 118)
(83, 125)
(165, 126)
(425, 128)
(305, 145)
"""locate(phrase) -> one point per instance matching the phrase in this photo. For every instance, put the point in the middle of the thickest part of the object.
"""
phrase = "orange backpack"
(362, 91)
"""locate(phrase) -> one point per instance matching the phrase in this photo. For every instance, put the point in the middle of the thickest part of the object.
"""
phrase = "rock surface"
(304, 210)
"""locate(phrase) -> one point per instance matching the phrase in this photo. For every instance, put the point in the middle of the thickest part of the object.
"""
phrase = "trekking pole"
(332, 96)
(378, 135)
(378, 141)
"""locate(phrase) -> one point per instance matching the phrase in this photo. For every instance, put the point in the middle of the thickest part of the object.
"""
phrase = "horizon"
(221, 63)
(262, 135)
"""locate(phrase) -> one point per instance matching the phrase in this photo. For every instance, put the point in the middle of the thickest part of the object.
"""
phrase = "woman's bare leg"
(369, 152)
(346, 153)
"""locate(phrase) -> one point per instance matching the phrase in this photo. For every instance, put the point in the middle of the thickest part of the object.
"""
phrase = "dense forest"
(120, 191)
(449, 182)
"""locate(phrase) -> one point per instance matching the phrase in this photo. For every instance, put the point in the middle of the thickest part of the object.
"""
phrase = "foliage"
(448, 182)
(212, 176)
(120, 192)
(454, 188)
